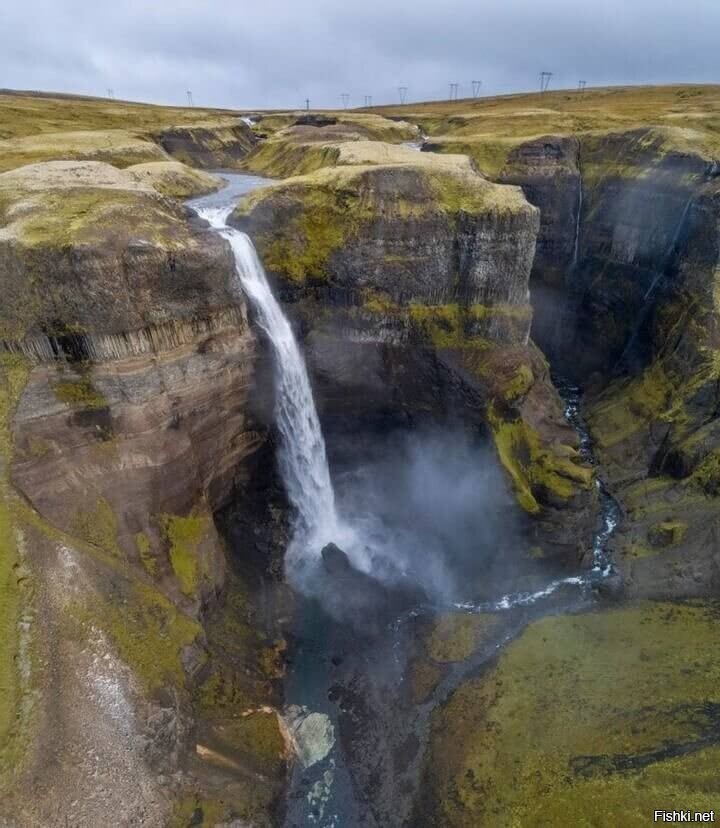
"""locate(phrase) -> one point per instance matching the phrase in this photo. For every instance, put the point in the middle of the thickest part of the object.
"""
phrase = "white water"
(302, 456)
(578, 218)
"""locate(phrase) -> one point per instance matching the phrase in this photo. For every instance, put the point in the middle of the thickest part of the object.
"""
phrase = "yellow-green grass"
(588, 720)
(33, 114)
(331, 204)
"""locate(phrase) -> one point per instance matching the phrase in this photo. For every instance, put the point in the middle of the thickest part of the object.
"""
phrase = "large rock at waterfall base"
(364, 602)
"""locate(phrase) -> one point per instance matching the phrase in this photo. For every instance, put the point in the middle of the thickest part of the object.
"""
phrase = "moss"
(581, 721)
(241, 802)
(489, 152)
(484, 126)
(377, 302)
(246, 663)
(73, 216)
(184, 535)
(79, 393)
(150, 634)
(259, 732)
(36, 114)
(453, 325)
(38, 446)
(626, 407)
(667, 533)
(537, 472)
(175, 180)
(116, 147)
(298, 224)
(282, 158)
(455, 637)
(98, 526)
(14, 371)
(145, 553)
(520, 383)
(195, 810)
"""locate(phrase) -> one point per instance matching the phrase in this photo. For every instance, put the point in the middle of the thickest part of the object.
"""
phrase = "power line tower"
(476, 87)
(368, 100)
(111, 94)
(453, 91)
(545, 80)
(345, 99)
(190, 98)
(581, 85)
(402, 91)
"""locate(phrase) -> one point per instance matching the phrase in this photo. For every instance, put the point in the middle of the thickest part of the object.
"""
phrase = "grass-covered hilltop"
(441, 262)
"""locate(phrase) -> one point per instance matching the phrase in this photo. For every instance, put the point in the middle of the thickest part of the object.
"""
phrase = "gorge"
(360, 468)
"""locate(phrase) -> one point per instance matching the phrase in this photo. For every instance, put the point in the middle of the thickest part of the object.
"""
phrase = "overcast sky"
(275, 53)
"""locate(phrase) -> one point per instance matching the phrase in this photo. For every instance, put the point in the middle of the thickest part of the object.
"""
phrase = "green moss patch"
(98, 526)
(184, 535)
(150, 634)
(455, 637)
(300, 223)
(79, 393)
(538, 473)
(594, 719)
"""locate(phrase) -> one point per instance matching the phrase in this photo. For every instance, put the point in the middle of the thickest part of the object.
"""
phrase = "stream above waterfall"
(349, 658)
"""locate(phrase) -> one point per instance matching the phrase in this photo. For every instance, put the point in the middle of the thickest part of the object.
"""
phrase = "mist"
(427, 517)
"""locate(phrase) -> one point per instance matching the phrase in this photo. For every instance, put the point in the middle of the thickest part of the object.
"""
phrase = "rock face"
(174, 179)
(627, 246)
(409, 275)
(548, 169)
(657, 432)
(212, 145)
(137, 412)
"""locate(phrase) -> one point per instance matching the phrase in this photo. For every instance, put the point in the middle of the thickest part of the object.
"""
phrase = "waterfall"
(302, 456)
(646, 306)
(576, 244)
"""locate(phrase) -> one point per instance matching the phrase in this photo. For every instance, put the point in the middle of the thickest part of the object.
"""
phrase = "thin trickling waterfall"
(578, 217)
(303, 461)
(650, 292)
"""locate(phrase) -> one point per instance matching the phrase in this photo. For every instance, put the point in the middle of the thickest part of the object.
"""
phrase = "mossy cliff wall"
(139, 412)
(613, 207)
(409, 281)
(657, 431)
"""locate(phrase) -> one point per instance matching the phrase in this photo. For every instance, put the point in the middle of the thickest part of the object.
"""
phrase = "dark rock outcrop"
(213, 145)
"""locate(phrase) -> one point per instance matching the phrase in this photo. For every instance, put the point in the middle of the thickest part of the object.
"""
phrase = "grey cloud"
(276, 53)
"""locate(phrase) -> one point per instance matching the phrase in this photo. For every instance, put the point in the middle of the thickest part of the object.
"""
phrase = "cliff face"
(622, 293)
(135, 406)
(657, 431)
(409, 275)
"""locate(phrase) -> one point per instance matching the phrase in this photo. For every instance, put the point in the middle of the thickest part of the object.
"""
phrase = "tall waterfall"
(302, 457)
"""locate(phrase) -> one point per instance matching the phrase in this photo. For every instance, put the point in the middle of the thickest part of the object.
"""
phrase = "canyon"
(507, 308)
